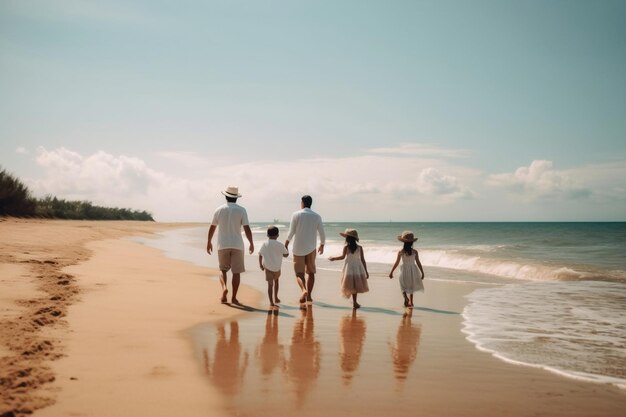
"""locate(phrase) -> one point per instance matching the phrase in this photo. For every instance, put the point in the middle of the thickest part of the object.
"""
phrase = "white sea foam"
(576, 329)
(457, 259)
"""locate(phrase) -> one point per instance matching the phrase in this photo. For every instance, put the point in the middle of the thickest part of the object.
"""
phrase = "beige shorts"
(231, 259)
(304, 264)
(271, 275)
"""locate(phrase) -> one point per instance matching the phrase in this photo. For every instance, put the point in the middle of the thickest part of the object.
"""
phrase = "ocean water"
(554, 294)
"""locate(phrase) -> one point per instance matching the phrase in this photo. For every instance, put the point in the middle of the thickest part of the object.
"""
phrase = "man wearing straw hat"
(305, 226)
(228, 220)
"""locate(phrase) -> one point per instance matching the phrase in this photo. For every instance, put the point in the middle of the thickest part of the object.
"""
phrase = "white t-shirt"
(305, 225)
(229, 218)
(272, 252)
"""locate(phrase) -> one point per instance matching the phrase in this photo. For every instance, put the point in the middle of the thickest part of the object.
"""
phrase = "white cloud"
(187, 186)
(421, 150)
(21, 150)
(99, 176)
(539, 180)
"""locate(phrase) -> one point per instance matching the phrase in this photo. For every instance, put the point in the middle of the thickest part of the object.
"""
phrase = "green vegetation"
(16, 201)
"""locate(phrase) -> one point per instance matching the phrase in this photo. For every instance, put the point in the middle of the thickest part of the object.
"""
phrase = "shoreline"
(53, 274)
(120, 340)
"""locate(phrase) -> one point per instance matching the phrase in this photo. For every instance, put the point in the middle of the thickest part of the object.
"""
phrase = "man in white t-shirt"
(304, 227)
(228, 219)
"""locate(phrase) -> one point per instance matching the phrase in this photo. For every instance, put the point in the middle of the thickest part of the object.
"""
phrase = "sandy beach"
(94, 324)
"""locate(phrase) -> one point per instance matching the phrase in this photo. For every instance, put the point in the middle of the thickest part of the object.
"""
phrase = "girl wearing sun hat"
(354, 274)
(410, 276)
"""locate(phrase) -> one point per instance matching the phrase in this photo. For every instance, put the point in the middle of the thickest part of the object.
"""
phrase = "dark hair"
(307, 200)
(231, 199)
(351, 242)
(272, 231)
(408, 248)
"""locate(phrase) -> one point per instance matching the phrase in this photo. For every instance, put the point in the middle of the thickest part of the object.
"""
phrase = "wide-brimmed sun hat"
(350, 232)
(407, 236)
(232, 191)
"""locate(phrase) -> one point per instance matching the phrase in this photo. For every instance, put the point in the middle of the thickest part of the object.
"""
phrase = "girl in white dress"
(410, 277)
(354, 275)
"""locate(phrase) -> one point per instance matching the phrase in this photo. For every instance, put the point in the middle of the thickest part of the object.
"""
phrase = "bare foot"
(406, 302)
(356, 305)
(276, 300)
(272, 306)
(303, 297)
(224, 300)
(235, 301)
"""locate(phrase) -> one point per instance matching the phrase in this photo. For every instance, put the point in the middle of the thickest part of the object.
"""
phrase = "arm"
(292, 230)
(367, 274)
(338, 258)
(261, 262)
(419, 264)
(209, 245)
(395, 265)
(320, 230)
(285, 252)
(246, 229)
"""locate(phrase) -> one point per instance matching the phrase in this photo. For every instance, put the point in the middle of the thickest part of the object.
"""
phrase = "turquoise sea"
(550, 295)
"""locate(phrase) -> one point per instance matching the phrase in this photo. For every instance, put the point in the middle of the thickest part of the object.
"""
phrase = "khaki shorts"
(271, 275)
(231, 259)
(304, 264)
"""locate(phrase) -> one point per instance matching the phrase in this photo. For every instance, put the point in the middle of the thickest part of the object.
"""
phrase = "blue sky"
(403, 110)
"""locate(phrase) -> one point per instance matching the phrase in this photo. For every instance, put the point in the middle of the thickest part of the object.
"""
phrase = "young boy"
(270, 261)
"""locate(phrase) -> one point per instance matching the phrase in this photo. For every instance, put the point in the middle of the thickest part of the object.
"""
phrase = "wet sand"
(98, 326)
(331, 360)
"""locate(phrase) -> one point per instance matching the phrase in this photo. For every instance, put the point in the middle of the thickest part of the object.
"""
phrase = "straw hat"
(350, 232)
(232, 191)
(407, 236)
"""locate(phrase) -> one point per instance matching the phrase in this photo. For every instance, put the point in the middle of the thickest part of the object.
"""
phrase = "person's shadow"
(270, 353)
(404, 350)
(229, 364)
(303, 365)
(352, 330)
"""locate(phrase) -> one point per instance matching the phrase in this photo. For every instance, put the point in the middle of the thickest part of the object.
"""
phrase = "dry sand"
(92, 325)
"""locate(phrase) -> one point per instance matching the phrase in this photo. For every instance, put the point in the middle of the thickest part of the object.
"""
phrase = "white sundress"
(353, 276)
(410, 275)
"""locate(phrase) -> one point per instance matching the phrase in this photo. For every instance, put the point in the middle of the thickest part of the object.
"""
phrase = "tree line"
(17, 201)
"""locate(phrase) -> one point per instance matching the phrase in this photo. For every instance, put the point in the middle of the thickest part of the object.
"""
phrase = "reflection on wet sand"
(404, 350)
(304, 356)
(226, 372)
(270, 353)
(352, 331)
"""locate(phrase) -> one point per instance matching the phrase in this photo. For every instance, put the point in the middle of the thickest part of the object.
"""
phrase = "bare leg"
(236, 280)
(411, 302)
(276, 300)
(223, 282)
(310, 283)
(406, 299)
(354, 303)
(301, 283)
(270, 291)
